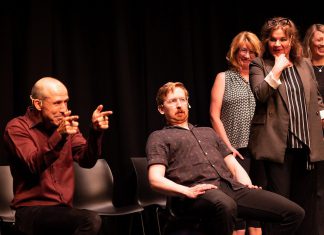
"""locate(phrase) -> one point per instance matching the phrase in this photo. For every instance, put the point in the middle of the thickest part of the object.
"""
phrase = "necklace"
(319, 68)
(245, 80)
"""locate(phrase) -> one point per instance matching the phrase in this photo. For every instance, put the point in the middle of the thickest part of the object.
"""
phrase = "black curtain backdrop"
(118, 53)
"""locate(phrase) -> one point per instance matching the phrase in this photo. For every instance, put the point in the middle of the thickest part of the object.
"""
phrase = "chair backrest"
(145, 194)
(93, 186)
(6, 194)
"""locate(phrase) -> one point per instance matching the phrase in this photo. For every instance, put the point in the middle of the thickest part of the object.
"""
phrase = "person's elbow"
(155, 177)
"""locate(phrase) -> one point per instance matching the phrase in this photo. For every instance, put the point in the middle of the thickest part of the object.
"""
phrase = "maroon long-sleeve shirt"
(41, 160)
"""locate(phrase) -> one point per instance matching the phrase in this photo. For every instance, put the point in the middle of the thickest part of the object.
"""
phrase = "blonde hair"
(166, 88)
(307, 43)
(238, 40)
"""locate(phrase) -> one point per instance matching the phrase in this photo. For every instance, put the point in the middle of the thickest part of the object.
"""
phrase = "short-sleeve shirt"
(191, 156)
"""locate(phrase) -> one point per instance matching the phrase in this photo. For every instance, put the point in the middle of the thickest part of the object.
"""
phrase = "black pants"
(221, 206)
(295, 182)
(50, 220)
(318, 205)
(246, 164)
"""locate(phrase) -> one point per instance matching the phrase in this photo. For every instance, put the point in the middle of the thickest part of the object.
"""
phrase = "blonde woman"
(314, 49)
(232, 105)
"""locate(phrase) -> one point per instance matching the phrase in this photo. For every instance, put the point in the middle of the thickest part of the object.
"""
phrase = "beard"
(178, 118)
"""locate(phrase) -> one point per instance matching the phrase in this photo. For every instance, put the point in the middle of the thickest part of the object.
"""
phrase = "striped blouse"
(298, 135)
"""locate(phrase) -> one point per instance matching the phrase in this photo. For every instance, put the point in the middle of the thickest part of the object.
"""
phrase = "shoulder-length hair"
(291, 31)
(243, 37)
(307, 43)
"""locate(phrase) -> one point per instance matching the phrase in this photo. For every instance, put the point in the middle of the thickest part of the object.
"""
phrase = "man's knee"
(96, 222)
(297, 214)
(91, 222)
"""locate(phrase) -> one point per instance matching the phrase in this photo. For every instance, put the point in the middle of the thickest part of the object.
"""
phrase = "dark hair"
(291, 32)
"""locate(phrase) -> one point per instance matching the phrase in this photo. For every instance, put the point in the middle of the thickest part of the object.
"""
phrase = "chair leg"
(158, 219)
(142, 223)
(131, 224)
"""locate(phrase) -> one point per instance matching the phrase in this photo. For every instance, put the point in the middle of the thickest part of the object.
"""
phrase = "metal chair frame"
(94, 191)
(7, 215)
(146, 196)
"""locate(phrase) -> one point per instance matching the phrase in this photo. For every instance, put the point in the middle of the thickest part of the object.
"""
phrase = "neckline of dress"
(244, 79)
(319, 68)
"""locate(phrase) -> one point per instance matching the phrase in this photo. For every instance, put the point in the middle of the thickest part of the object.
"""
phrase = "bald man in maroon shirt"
(42, 146)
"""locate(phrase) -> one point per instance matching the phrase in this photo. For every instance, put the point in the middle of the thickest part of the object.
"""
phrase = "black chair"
(186, 224)
(94, 191)
(7, 215)
(145, 195)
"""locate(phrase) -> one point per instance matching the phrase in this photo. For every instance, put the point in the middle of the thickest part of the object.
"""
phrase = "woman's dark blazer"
(269, 126)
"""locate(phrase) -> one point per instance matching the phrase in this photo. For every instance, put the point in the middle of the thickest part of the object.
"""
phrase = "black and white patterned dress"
(237, 109)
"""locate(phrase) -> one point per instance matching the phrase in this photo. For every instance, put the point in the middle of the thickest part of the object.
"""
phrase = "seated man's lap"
(211, 204)
(39, 220)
